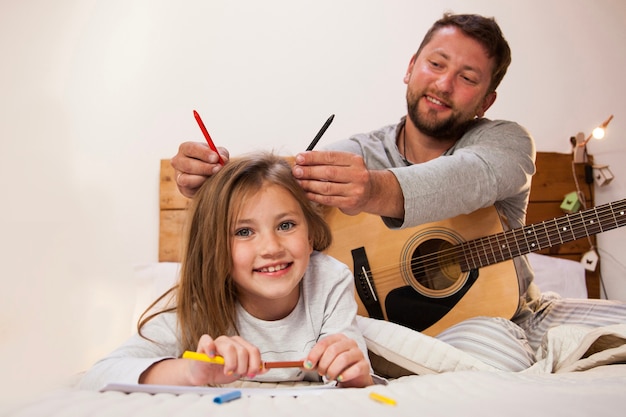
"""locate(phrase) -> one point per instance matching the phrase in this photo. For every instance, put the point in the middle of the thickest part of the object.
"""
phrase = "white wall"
(95, 92)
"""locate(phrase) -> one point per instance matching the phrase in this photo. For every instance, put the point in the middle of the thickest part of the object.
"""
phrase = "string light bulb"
(598, 132)
(579, 143)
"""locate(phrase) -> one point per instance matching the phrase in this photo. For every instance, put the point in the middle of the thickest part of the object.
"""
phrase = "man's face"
(447, 84)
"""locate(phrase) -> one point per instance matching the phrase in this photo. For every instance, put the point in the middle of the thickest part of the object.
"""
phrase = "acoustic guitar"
(433, 276)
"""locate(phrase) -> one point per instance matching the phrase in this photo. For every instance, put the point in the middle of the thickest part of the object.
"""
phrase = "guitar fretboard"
(492, 249)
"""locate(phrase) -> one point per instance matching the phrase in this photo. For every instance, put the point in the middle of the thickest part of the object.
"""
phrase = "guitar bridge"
(364, 284)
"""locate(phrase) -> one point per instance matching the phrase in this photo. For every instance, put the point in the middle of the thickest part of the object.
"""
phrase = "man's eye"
(469, 80)
(243, 232)
(286, 225)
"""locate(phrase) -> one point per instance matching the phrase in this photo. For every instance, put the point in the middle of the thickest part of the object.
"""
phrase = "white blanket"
(576, 348)
(566, 348)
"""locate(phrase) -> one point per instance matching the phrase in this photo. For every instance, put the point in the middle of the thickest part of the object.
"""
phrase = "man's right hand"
(194, 163)
(342, 180)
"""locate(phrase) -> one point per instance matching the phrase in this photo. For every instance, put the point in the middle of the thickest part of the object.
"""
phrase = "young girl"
(253, 287)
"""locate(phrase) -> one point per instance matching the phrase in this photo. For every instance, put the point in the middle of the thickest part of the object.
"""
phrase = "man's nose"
(445, 82)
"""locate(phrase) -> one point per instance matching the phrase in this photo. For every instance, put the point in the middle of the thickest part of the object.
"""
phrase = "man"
(441, 160)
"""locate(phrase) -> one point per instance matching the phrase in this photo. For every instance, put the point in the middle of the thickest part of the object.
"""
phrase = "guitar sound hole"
(434, 266)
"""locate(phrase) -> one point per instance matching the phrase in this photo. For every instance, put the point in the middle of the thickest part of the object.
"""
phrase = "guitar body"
(409, 276)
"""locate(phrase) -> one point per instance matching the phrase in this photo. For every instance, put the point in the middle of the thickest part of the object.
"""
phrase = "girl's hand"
(240, 359)
(339, 358)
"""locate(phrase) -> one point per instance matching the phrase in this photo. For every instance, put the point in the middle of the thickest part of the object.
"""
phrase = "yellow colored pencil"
(382, 399)
(202, 357)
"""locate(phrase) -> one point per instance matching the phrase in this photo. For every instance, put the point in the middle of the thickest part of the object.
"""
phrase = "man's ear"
(409, 70)
(487, 102)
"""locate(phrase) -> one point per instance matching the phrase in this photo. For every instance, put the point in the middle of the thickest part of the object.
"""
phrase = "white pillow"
(562, 276)
(414, 351)
(479, 343)
(152, 280)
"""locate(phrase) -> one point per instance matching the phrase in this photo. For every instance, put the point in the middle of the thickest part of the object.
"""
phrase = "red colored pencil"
(207, 136)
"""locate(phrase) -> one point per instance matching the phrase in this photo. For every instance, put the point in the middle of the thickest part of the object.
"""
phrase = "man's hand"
(194, 163)
(341, 179)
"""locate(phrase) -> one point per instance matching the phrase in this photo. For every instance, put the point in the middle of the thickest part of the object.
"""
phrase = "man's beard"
(444, 130)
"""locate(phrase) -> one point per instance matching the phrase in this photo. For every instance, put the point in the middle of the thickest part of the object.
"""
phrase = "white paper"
(177, 390)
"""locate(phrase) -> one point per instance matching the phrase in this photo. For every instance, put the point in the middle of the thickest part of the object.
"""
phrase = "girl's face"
(270, 248)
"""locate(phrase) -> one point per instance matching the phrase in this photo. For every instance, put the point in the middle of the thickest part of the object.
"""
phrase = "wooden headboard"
(552, 182)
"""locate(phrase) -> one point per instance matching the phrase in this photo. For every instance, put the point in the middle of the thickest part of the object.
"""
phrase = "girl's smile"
(272, 269)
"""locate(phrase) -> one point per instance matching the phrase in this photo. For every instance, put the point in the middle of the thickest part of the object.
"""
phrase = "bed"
(582, 373)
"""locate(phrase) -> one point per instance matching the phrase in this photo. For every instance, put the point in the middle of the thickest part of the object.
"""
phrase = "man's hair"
(486, 31)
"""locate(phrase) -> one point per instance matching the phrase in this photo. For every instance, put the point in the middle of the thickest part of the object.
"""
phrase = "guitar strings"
(572, 226)
(575, 227)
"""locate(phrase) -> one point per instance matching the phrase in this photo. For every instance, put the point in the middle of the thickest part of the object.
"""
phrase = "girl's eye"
(243, 232)
(286, 225)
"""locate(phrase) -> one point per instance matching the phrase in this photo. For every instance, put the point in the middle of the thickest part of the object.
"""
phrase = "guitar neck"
(516, 242)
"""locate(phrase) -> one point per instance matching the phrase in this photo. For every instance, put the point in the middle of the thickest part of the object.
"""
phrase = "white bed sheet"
(453, 384)
(464, 393)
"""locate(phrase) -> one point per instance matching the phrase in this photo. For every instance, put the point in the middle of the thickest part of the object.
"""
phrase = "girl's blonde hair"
(205, 294)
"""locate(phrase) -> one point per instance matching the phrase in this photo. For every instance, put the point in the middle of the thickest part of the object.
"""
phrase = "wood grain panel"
(169, 196)
(556, 177)
(172, 215)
